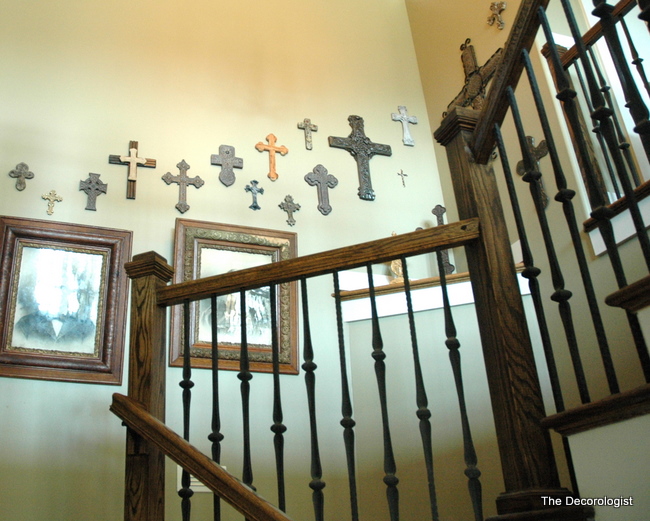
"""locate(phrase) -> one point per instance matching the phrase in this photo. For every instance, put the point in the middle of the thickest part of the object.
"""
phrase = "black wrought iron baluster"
(637, 61)
(316, 484)
(565, 196)
(347, 422)
(245, 377)
(278, 428)
(561, 295)
(215, 436)
(453, 345)
(186, 384)
(423, 413)
(378, 354)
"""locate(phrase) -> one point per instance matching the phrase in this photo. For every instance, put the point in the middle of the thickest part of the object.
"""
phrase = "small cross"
(319, 178)
(362, 150)
(227, 160)
(182, 180)
(536, 153)
(308, 127)
(271, 149)
(497, 8)
(405, 119)
(93, 187)
(254, 190)
(51, 198)
(402, 175)
(448, 268)
(21, 173)
(133, 161)
(289, 206)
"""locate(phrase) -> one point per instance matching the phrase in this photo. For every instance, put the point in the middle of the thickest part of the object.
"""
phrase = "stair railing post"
(527, 459)
(144, 487)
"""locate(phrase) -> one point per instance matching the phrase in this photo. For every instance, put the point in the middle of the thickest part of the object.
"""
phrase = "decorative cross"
(289, 206)
(20, 174)
(308, 127)
(536, 153)
(271, 149)
(497, 8)
(93, 187)
(448, 268)
(51, 197)
(319, 178)
(476, 78)
(227, 159)
(182, 180)
(362, 150)
(253, 189)
(402, 175)
(403, 118)
(133, 161)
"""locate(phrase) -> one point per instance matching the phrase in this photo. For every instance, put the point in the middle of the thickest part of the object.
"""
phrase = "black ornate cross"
(227, 160)
(405, 119)
(289, 206)
(362, 149)
(448, 268)
(93, 187)
(308, 127)
(182, 180)
(319, 178)
(20, 174)
(133, 161)
(254, 190)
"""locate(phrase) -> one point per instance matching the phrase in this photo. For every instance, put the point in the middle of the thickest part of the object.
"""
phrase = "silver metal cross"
(182, 180)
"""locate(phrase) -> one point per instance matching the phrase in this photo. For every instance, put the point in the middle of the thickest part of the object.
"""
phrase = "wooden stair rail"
(219, 481)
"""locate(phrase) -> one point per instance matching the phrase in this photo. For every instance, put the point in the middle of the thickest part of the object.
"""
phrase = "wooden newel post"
(144, 498)
(527, 458)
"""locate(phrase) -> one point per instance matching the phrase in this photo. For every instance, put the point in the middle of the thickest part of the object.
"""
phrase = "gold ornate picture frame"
(63, 294)
(203, 249)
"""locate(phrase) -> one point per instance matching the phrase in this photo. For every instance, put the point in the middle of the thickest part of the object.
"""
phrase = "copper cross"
(21, 173)
(319, 178)
(271, 149)
(227, 160)
(289, 206)
(182, 180)
(93, 187)
(405, 119)
(253, 189)
(308, 127)
(51, 197)
(133, 161)
(362, 150)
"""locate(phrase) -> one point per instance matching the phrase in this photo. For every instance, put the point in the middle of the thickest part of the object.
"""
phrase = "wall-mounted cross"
(271, 149)
(447, 267)
(362, 150)
(254, 190)
(497, 8)
(133, 161)
(93, 188)
(51, 197)
(20, 174)
(536, 153)
(308, 127)
(227, 159)
(319, 178)
(405, 119)
(182, 180)
(289, 206)
(402, 175)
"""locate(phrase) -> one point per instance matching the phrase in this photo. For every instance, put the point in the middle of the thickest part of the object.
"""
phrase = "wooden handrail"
(382, 250)
(219, 481)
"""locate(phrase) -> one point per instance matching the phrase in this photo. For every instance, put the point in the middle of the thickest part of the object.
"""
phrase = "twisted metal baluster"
(278, 428)
(378, 354)
(186, 384)
(316, 484)
(471, 471)
(347, 422)
(423, 413)
(215, 436)
(245, 377)
(637, 61)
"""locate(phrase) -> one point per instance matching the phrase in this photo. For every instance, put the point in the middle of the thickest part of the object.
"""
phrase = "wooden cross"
(253, 189)
(536, 153)
(476, 78)
(448, 268)
(133, 161)
(405, 119)
(93, 187)
(51, 197)
(289, 206)
(272, 149)
(308, 127)
(402, 175)
(182, 180)
(319, 178)
(20, 174)
(362, 149)
(227, 160)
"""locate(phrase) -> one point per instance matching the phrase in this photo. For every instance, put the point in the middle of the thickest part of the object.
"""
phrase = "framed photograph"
(63, 294)
(203, 249)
